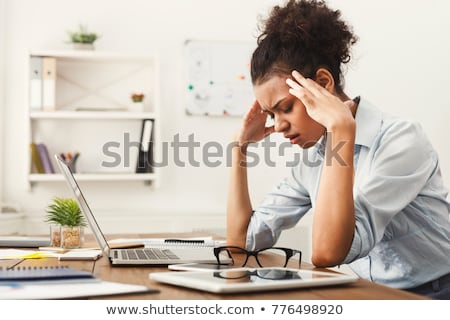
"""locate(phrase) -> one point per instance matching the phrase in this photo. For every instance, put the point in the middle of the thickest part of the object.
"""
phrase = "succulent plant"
(65, 212)
(83, 36)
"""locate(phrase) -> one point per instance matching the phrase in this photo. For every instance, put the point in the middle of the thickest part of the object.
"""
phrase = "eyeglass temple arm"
(218, 251)
(290, 253)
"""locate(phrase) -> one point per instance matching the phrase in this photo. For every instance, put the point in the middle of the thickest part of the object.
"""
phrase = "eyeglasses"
(267, 257)
(266, 274)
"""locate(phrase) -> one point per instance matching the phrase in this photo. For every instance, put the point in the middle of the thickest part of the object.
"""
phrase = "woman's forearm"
(239, 208)
(334, 216)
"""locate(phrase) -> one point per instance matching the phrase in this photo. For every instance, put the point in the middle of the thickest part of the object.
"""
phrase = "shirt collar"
(368, 123)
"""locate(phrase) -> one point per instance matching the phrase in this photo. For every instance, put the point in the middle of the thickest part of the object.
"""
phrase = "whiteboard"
(218, 77)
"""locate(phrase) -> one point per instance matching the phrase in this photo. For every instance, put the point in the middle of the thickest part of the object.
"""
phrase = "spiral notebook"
(42, 273)
(59, 282)
(152, 255)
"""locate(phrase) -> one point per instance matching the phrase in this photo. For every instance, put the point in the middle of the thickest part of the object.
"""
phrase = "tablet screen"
(255, 275)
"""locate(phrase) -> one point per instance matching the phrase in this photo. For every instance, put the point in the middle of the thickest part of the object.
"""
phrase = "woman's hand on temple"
(321, 105)
(253, 126)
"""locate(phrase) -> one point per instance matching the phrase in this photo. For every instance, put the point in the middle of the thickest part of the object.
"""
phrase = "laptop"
(134, 256)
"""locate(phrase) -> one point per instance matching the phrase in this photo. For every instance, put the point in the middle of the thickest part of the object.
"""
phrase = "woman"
(378, 199)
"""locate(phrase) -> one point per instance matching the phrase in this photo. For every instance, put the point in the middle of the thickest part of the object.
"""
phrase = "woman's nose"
(280, 124)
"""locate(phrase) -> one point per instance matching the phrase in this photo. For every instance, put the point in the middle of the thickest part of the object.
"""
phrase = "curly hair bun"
(302, 35)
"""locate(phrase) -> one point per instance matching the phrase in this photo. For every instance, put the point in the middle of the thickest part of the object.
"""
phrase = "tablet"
(252, 279)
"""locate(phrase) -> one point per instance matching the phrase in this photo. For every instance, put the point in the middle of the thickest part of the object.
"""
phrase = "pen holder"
(72, 165)
(71, 160)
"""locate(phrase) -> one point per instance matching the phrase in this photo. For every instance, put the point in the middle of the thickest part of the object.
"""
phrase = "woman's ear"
(325, 79)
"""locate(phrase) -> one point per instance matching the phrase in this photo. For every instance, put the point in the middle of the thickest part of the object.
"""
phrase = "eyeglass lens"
(271, 257)
(268, 274)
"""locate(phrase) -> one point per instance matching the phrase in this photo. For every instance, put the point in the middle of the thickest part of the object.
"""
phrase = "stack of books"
(40, 159)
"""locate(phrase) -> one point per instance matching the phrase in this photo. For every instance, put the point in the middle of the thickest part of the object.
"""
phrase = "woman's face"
(288, 112)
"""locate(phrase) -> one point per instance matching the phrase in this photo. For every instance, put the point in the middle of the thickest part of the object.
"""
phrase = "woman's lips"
(294, 139)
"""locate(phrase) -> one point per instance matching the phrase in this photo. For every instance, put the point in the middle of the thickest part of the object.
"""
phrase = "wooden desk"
(101, 268)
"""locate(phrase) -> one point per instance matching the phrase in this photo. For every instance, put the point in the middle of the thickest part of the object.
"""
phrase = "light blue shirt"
(402, 232)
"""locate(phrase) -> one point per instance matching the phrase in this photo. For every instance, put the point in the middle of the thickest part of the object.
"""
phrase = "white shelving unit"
(94, 177)
(92, 116)
(72, 115)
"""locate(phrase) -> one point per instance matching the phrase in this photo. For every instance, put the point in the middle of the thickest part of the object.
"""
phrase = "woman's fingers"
(300, 92)
(254, 125)
(308, 84)
(254, 110)
(304, 89)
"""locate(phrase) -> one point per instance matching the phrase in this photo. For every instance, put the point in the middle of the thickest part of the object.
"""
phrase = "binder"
(37, 165)
(145, 157)
(45, 158)
(48, 83)
(35, 83)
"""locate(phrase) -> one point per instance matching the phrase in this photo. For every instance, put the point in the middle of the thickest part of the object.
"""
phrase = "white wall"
(185, 194)
(401, 64)
(2, 89)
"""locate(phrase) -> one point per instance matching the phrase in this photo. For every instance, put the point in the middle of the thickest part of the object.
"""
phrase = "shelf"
(39, 177)
(88, 109)
(106, 115)
(90, 55)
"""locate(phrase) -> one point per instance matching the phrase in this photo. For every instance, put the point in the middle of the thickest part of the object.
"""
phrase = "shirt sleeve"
(396, 169)
(281, 209)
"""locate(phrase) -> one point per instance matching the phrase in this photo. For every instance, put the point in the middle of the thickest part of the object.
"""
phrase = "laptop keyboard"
(148, 254)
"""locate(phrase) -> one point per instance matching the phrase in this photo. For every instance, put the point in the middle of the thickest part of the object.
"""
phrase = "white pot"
(136, 107)
(83, 46)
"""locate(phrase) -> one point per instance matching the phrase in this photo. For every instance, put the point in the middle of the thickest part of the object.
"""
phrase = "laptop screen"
(83, 205)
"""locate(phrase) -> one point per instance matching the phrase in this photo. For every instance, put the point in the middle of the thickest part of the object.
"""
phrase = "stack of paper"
(68, 289)
(74, 254)
(58, 282)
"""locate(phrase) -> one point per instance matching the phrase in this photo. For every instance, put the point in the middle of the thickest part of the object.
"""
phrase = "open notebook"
(172, 253)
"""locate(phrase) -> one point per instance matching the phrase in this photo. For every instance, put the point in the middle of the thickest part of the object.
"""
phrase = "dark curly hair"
(303, 35)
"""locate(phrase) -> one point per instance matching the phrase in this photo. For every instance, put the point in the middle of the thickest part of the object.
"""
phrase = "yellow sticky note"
(34, 255)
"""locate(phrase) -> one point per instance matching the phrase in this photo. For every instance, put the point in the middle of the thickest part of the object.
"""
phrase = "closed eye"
(288, 109)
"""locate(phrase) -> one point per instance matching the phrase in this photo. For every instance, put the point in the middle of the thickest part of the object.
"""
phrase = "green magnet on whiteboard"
(211, 82)
(190, 87)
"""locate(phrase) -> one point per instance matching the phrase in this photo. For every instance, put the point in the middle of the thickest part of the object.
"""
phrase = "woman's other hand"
(253, 126)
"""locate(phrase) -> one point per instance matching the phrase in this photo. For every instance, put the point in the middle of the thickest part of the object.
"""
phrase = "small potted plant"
(65, 214)
(83, 39)
(138, 101)
(137, 96)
